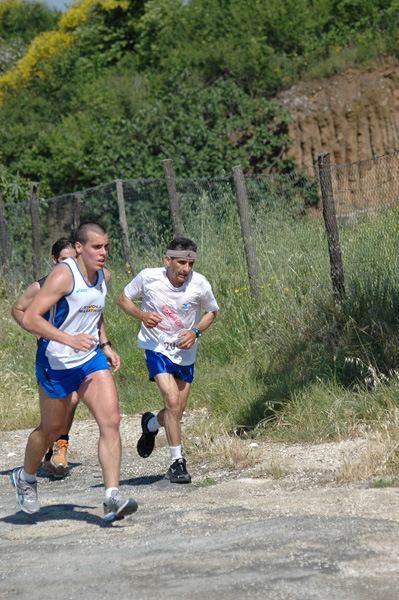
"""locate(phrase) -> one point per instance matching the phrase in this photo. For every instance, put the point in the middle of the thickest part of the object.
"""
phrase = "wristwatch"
(197, 332)
(101, 346)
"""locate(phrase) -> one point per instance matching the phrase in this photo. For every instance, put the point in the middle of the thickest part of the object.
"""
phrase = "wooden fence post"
(123, 222)
(246, 229)
(330, 220)
(173, 199)
(77, 201)
(3, 238)
(34, 215)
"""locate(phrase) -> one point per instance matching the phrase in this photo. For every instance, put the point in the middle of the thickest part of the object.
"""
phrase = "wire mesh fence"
(286, 216)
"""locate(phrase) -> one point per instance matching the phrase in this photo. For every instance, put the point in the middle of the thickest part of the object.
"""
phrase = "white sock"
(175, 452)
(27, 477)
(153, 424)
(108, 492)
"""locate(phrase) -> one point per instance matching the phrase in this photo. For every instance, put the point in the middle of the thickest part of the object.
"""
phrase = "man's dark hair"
(181, 243)
(61, 245)
(82, 232)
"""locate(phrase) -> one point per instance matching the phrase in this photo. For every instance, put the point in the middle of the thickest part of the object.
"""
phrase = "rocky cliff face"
(354, 116)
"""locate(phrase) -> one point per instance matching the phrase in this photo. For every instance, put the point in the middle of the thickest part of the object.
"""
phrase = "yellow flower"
(236, 291)
(127, 264)
(286, 289)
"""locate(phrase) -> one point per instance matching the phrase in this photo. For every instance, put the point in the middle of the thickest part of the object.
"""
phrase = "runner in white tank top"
(77, 312)
(83, 330)
(55, 462)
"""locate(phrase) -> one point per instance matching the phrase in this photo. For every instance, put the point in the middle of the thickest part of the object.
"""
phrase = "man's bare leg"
(175, 394)
(99, 393)
(53, 413)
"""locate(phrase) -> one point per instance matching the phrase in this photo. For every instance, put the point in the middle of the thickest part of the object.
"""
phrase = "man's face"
(178, 269)
(65, 253)
(94, 251)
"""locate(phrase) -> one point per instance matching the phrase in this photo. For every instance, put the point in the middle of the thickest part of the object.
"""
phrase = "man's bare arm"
(112, 357)
(20, 306)
(187, 338)
(150, 319)
(58, 284)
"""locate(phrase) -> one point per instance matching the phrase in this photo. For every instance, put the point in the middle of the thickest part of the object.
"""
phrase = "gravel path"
(300, 536)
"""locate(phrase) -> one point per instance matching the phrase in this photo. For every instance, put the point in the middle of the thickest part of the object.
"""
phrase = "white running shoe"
(116, 507)
(26, 492)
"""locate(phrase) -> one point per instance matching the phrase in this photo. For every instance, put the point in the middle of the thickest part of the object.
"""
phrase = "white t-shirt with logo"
(180, 308)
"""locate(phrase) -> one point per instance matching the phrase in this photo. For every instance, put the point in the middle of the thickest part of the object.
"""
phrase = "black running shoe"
(146, 443)
(177, 472)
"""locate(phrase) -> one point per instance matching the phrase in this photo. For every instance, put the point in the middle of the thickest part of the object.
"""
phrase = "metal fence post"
(173, 199)
(3, 238)
(123, 222)
(34, 215)
(246, 229)
(330, 220)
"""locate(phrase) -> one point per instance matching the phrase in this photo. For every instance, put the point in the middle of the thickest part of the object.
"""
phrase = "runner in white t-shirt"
(172, 299)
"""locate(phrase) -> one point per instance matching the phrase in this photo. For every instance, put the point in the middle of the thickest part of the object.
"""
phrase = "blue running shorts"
(58, 383)
(158, 363)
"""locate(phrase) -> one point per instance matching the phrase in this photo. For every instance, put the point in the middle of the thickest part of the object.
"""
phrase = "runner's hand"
(83, 342)
(186, 339)
(113, 359)
(151, 319)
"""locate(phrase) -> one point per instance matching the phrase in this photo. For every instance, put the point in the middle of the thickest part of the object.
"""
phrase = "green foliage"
(122, 135)
(20, 22)
(262, 45)
(12, 187)
(23, 19)
(384, 483)
(209, 130)
(101, 40)
(190, 81)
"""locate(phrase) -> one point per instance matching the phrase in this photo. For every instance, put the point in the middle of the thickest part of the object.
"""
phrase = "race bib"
(168, 344)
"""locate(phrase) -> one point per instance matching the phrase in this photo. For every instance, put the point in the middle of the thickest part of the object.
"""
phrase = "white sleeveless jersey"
(77, 312)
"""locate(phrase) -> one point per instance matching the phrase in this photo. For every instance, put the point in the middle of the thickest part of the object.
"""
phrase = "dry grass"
(207, 439)
(377, 458)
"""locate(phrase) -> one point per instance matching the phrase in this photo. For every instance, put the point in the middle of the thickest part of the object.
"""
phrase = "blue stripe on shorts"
(159, 363)
(59, 383)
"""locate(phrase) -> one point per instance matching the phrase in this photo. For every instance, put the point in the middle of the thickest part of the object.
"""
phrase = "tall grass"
(291, 363)
(18, 403)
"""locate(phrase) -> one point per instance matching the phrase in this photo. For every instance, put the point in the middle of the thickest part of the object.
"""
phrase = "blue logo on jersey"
(83, 290)
(186, 306)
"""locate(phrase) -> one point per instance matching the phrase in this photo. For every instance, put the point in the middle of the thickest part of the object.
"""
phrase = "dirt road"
(299, 537)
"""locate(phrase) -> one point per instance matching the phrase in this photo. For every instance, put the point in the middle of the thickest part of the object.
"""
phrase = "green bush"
(23, 19)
